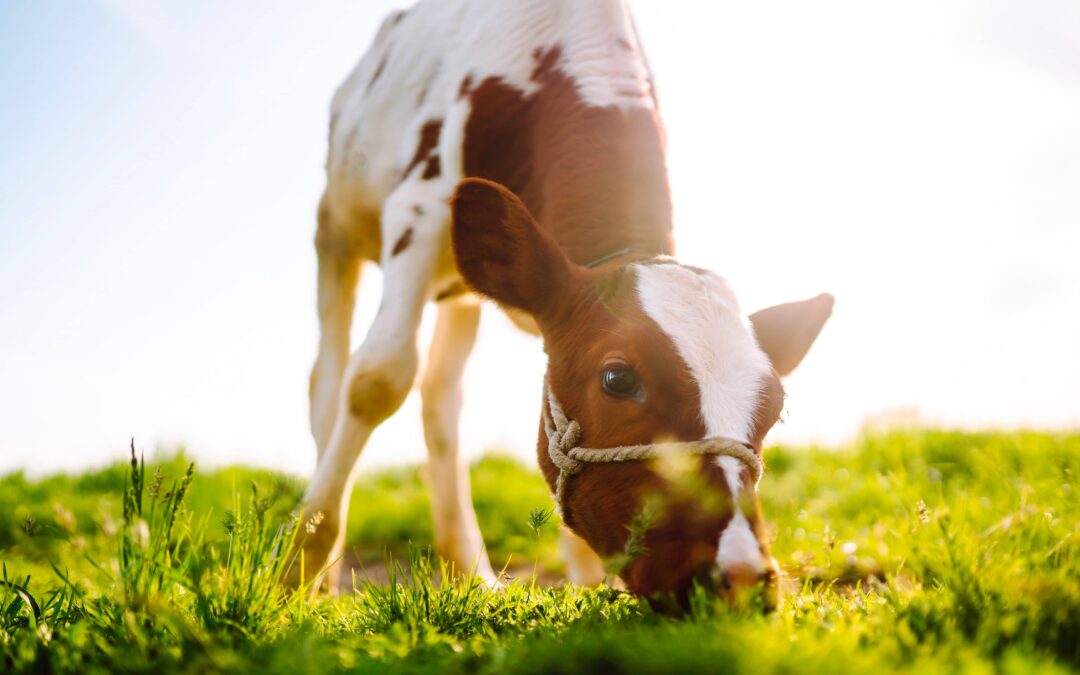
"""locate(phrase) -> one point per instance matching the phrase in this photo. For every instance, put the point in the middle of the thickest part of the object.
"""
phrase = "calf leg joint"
(377, 391)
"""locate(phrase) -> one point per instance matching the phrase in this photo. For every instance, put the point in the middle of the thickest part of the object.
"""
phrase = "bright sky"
(160, 164)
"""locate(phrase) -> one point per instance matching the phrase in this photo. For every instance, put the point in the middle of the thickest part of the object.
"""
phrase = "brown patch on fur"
(432, 168)
(594, 177)
(465, 88)
(545, 59)
(403, 242)
(769, 406)
(429, 139)
(624, 43)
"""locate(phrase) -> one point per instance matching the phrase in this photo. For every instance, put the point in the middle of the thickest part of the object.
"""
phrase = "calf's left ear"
(785, 332)
(502, 252)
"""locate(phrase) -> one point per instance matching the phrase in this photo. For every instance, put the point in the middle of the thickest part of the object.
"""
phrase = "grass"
(917, 551)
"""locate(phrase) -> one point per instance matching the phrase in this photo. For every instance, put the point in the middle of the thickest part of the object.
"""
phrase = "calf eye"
(620, 380)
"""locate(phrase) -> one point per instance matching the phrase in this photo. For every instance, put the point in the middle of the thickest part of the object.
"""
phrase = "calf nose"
(732, 578)
(740, 577)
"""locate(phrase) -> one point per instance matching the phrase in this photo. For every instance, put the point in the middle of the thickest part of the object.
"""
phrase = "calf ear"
(785, 332)
(501, 250)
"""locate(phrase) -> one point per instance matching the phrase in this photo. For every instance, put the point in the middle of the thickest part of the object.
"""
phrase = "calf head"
(645, 351)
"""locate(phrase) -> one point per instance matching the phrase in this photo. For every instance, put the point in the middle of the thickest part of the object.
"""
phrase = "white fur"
(738, 545)
(700, 314)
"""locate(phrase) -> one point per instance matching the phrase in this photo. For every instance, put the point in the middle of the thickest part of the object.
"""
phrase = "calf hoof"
(319, 542)
(464, 565)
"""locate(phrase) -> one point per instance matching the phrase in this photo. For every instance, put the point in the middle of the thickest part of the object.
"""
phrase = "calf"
(513, 149)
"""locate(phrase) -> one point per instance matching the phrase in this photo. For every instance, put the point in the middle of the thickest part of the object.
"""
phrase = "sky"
(160, 165)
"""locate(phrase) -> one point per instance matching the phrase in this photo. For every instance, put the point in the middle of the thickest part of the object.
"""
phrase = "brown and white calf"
(513, 148)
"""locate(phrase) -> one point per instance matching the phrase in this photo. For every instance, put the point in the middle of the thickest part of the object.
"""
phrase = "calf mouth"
(708, 591)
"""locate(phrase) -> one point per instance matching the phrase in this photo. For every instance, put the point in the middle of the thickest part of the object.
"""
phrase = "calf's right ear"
(501, 250)
(785, 332)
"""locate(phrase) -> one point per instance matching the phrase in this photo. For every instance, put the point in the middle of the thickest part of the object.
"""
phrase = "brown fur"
(432, 168)
(465, 88)
(403, 242)
(594, 178)
(428, 141)
(770, 405)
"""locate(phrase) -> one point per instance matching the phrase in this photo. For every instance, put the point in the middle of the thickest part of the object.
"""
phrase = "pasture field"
(916, 551)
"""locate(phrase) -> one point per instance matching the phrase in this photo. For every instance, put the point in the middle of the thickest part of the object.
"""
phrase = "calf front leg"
(457, 534)
(379, 374)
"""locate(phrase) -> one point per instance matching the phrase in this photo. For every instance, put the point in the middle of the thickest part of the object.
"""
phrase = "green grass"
(919, 551)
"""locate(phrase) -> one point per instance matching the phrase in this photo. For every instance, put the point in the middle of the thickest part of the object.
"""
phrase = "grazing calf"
(514, 149)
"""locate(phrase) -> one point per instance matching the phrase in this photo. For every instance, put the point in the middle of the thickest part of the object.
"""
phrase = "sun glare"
(916, 160)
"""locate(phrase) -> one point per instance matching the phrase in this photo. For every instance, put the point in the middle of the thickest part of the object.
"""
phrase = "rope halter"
(564, 434)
